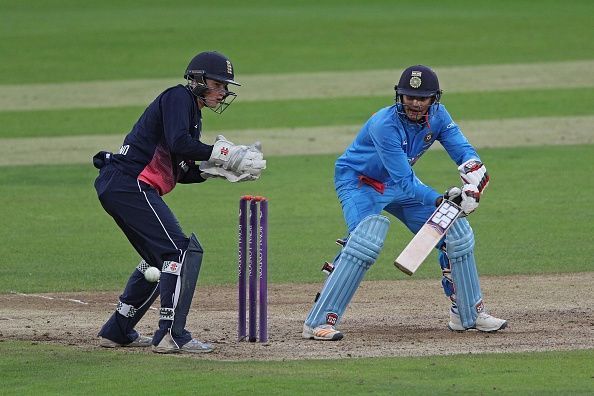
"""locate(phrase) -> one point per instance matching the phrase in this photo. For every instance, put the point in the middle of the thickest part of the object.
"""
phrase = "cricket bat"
(428, 236)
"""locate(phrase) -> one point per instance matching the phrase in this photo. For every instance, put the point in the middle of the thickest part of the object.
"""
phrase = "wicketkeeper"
(164, 149)
(375, 174)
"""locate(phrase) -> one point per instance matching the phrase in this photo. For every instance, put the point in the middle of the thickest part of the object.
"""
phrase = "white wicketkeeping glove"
(238, 158)
(209, 170)
(474, 172)
(466, 198)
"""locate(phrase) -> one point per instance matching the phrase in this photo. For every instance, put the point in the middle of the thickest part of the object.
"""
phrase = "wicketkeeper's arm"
(190, 173)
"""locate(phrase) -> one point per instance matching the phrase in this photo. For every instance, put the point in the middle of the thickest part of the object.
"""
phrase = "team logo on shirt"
(124, 149)
(428, 137)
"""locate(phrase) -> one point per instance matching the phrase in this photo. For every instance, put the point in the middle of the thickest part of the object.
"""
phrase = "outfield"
(519, 78)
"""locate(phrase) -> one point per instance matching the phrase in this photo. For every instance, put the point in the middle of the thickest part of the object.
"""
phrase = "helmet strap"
(197, 85)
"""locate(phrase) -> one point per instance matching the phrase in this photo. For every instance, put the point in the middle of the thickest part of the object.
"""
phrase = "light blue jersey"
(374, 175)
(387, 147)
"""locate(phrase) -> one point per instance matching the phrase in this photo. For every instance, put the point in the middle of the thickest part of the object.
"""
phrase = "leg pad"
(460, 250)
(359, 253)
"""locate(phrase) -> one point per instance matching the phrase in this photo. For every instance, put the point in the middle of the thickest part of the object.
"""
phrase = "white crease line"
(50, 298)
(55, 298)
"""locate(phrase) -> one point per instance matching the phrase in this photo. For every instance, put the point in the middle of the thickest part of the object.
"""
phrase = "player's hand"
(209, 170)
(474, 172)
(238, 158)
(224, 150)
(467, 197)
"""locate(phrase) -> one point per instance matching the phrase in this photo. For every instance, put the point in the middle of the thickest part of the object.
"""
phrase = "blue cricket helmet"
(420, 81)
(212, 65)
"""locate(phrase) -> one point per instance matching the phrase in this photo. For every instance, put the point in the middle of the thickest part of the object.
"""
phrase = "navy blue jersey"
(164, 144)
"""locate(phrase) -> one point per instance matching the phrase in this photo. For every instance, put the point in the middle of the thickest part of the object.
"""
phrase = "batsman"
(375, 174)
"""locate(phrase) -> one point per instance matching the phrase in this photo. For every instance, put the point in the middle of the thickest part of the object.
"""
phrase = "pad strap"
(172, 267)
(126, 310)
(166, 313)
(142, 266)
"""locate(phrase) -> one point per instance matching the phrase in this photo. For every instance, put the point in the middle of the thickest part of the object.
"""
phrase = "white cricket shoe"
(140, 342)
(167, 345)
(324, 332)
(484, 322)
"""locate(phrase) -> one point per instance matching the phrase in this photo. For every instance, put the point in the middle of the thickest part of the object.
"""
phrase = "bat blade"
(428, 236)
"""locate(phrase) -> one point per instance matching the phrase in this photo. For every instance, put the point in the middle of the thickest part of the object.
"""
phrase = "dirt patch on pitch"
(386, 318)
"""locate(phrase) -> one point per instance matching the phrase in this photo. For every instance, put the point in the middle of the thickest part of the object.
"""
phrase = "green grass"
(301, 113)
(533, 219)
(64, 371)
(536, 216)
(114, 40)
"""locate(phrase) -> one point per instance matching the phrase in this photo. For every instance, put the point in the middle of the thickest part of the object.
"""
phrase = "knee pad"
(460, 252)
(459, 239)
(178, 282)
(359, 253)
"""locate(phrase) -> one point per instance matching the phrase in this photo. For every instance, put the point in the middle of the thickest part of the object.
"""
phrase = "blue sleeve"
(177, 109)
(453, 140)
(388, 143)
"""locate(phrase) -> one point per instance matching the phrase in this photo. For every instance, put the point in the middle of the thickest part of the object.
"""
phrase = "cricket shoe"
(140, 342)
(323, 332)
(167, 345)
(484, 322)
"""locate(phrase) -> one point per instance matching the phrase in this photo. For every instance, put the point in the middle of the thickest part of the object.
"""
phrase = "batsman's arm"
(453, 140)
(395, 160)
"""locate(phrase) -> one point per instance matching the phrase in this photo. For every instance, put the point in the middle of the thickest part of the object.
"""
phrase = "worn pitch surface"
(385, 318)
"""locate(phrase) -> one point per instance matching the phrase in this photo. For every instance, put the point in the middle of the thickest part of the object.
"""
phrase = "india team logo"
(415, 80)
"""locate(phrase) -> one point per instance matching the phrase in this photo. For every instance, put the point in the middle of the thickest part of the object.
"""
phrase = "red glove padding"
(474, 172)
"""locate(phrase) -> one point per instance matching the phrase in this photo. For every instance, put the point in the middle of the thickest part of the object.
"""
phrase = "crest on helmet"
(415, 80)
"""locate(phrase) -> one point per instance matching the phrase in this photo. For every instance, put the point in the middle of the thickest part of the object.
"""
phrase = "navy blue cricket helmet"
(419, 81)
(215, 66)
(212, 65)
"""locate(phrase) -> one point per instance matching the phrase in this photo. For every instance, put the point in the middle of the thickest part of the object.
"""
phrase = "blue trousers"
(152, 230)
(360, 200)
